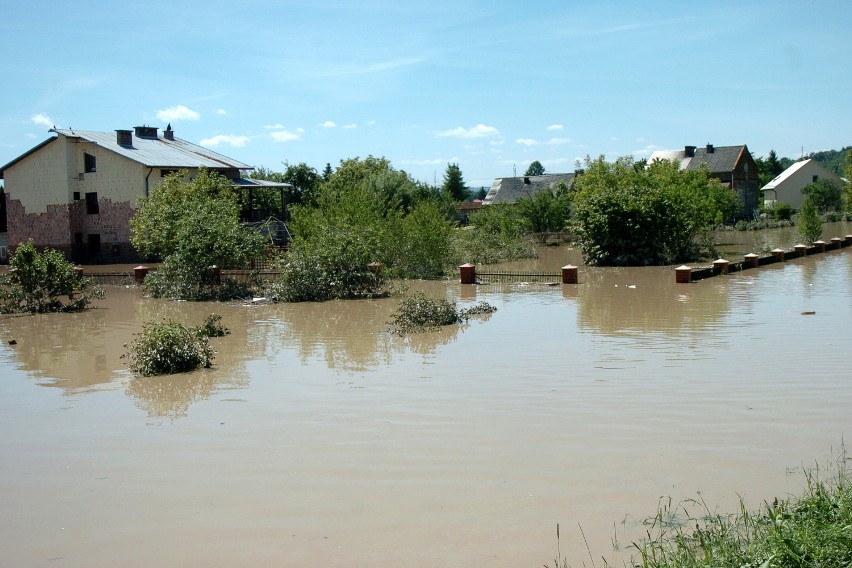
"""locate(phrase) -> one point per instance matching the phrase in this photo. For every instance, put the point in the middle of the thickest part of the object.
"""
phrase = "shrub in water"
(44, 282)
(167, 347)
(419, 313)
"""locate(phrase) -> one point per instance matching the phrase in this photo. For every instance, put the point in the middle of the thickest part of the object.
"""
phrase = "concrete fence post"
(467, 272)
(683, 274)
(778, 254)
(820, 245)
(721, 266)
(752, 260)
(569, 274)
(847, 240)
(139, 274)
(836, 242)
(801, 250)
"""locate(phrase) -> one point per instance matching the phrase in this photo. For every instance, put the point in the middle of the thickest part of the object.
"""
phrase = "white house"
(77, 191)
(787, 186)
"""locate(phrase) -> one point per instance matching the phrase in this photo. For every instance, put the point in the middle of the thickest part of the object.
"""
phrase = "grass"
(811, 530)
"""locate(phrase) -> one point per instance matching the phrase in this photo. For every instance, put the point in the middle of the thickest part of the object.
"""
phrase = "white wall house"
(77, 191)
(787, 186)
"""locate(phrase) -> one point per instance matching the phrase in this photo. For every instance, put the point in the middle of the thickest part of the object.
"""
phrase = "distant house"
(77, 191)
(513, 189)
(465, 208)
(733, 166)
(787, 187)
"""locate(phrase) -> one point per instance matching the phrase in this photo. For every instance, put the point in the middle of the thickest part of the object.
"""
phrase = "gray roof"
(512, 189)
(158, 152)
(723, 159)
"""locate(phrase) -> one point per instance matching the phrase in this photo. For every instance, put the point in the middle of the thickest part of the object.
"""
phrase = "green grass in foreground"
(814, 529)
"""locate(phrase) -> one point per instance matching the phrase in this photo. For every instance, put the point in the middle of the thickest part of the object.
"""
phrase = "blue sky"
(489, 85)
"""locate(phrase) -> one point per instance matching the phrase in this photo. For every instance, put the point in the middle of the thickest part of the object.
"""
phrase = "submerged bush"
(40, 282)
(168, 347)
(420, 313)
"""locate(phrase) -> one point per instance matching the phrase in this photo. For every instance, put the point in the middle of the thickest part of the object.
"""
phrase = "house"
(77, 191)
(733, 166)
(787, 186)
(512, 189)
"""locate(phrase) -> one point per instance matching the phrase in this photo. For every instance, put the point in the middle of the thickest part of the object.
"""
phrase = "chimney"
(168, 133)
(124, 137)
(710, 149)
(146, 131)
(689, 151)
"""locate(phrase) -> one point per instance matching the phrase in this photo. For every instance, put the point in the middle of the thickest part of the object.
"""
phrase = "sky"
(488, 85)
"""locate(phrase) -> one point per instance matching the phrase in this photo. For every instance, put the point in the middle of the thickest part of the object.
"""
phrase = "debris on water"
(808, 313)
(632, 286)
(12, 342)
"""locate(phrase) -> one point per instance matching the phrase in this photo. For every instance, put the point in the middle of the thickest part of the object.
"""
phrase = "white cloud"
(42, 120)
(221, 111)
(350, 126)
(558, 141)
(287, 135)
(226, 140)
(478, 131)
(179, 112)
(555, 127)
(329, 124)
(526, 142)
(276, 126)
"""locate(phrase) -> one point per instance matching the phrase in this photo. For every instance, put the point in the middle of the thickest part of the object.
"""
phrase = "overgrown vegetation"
(628, 215)
(808, 221)
(168, 347)
(421, 313)
(192, 225)
(814, 529)
(45, 281)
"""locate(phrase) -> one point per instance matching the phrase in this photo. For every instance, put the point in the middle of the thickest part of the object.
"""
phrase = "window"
(90, 165)
(92, 203)
(76, 196)
(815, 179)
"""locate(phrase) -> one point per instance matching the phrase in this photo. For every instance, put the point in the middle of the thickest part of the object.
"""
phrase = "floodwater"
(318, 438)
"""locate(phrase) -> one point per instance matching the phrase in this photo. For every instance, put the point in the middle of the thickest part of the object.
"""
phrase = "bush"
(168, 347)
(419, 313)
(808, 221)
(627, 215)
(44, 282)
(781, 212)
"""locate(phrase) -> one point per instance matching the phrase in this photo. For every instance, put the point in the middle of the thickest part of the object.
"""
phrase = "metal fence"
(510, 277)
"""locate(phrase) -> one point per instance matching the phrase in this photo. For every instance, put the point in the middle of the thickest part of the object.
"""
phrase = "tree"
(304, 179)
(192, 225)
(808, 221)
(43, 282)
(326, 173)
(826, 195)
(546, 212)
(626, 216)
(454, 184)
(535, 169)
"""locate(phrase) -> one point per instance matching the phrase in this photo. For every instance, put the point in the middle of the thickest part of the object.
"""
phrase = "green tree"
(847, 190)
(629, 216)
(192, 225)
(546, 212)
(535, 169)
(808, 221)
(43, 282)
(826, 195)
(326, 172)
(769, 168)
(454, 184)
(304, 179)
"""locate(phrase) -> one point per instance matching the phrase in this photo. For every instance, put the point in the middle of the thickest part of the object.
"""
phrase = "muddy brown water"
(320, 439)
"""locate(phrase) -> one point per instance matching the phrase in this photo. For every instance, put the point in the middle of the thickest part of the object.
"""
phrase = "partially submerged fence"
(469, 275)
(686, 274)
